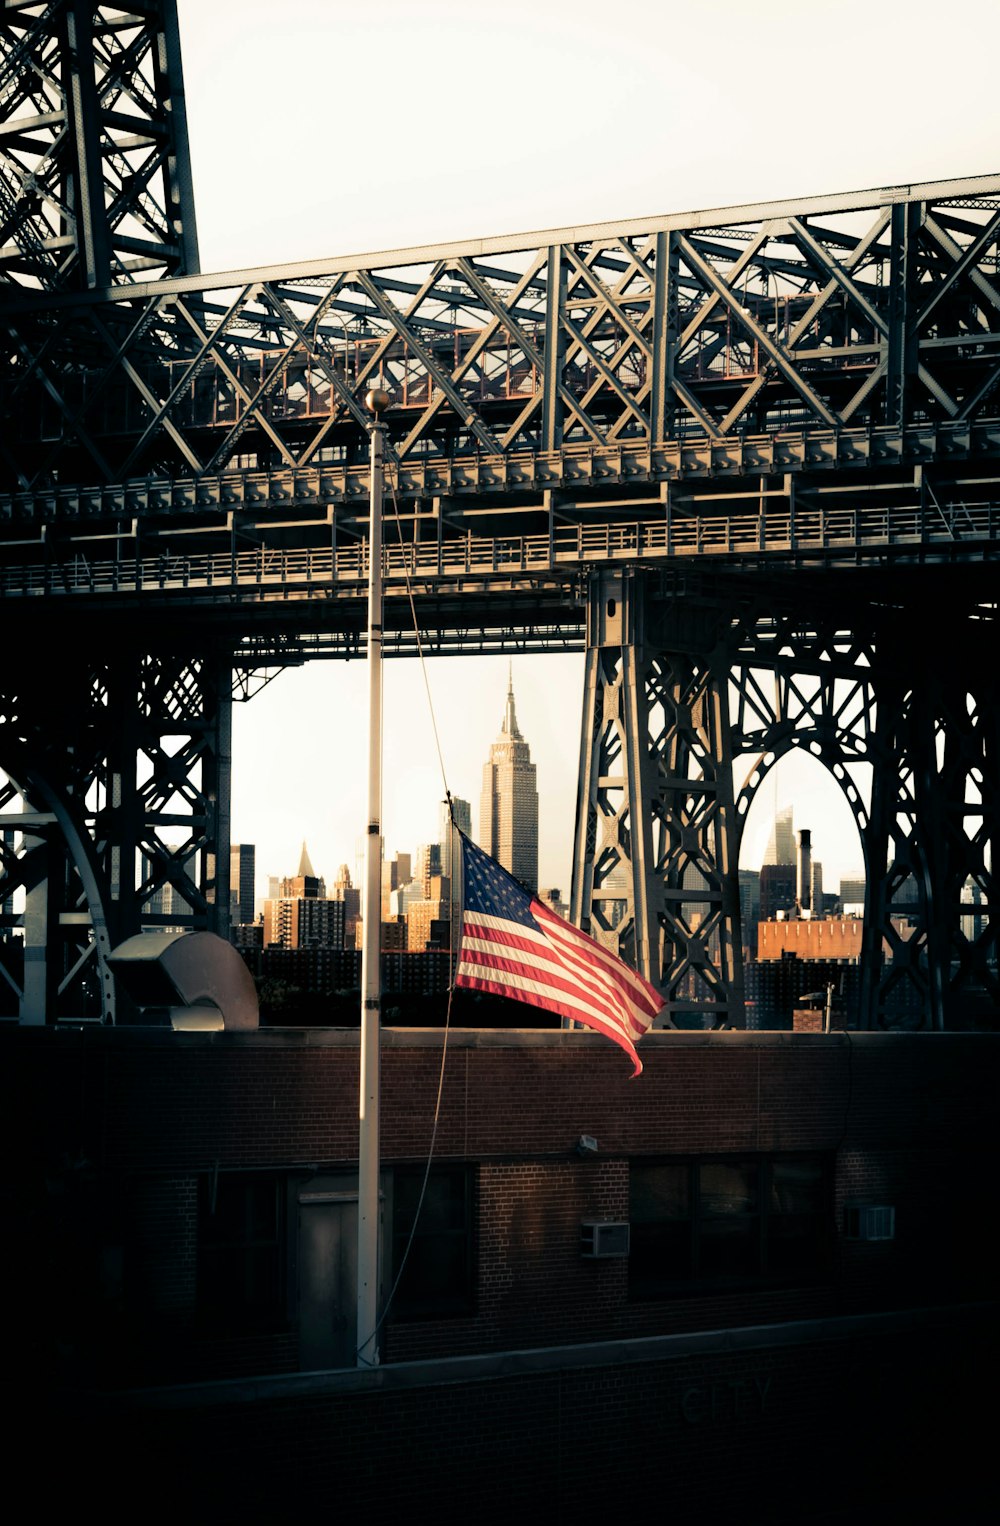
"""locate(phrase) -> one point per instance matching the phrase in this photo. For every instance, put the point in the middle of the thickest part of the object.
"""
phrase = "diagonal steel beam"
(778, 356)
(95, 389)
(219, 359)
(391, 337)
(464, 412)
(839, 271)
(190, 371)
(693, 406)
(598, 361)
(606, 302)
(963, 264)
(329, 370)
(419, 296)
(839, 279)
(604, 305)
(148, 397)
(252, 413)
(734, 272)
(971, 404)
(502, 317)
(935, 388)
(871, 381)
(64, 408)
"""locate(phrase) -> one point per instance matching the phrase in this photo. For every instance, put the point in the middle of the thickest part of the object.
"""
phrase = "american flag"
(514, 946)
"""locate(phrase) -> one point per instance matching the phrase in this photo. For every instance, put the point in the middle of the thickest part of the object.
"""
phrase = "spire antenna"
(509, 727)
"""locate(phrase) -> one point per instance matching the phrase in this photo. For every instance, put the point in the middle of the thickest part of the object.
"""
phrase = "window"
(241, 1236)
(710, 1224)
(438, 1277)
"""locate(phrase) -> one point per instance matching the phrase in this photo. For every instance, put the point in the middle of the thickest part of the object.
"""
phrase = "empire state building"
(508, 805)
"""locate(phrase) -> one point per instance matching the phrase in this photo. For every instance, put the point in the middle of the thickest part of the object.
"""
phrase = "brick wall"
(871, 1420)
(141, 1114)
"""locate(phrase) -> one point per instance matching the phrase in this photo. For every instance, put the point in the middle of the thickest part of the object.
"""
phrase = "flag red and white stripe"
(512, 945)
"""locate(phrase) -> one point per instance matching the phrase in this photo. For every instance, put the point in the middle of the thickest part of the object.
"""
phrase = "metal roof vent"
(194, 982)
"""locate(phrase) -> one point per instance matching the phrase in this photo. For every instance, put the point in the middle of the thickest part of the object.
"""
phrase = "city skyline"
(325, 804)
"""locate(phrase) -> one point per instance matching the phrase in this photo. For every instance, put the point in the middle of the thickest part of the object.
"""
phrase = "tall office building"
(303, 922)
(242, 873)
(749, 910)
(508, 805)
(428, 864)
(781, 846)
(396, 873)
(350, 894)
(451, 866)
(449, 842)
(307, 883)
(163, 905)
(300, 915)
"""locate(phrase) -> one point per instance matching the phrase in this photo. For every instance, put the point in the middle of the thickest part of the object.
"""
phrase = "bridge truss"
(737, 456)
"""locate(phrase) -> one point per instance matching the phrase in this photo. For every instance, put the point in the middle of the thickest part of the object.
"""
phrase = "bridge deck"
(831, 333)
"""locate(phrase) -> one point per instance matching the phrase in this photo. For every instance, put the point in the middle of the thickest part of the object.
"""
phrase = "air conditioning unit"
(600, 1238)
(869, 1221)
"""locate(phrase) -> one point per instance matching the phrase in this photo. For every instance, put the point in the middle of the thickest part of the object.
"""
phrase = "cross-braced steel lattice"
(830, 332)
(95, 176)
(681, 684)
(120, 770)
(654, 867)
(934, 825)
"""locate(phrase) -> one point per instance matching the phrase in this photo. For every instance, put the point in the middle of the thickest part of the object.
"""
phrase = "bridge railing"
(775, 532)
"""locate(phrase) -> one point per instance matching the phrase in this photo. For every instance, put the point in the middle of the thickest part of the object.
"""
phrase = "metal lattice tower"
(95, 175)
(683, 681)
(118, 772)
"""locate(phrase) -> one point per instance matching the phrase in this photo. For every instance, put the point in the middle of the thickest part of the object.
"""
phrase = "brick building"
(811, 938)
(777, 890)
(303, 922)
(242, 882)
(176, 1197)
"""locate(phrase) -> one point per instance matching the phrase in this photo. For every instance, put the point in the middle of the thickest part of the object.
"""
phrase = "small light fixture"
(586, 1146)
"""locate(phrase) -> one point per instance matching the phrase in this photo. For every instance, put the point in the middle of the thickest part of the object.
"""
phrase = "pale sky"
(323, 128)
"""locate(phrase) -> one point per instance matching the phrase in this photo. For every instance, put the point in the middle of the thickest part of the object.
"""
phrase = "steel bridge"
(747, 459)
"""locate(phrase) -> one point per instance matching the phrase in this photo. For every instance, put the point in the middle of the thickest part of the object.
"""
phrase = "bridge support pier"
(123, 768)
(902, 712)
(655, 867)
(929, 953)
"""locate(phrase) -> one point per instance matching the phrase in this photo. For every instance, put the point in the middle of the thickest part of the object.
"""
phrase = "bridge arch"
(811, 691)
(764, 766)
(51, 820)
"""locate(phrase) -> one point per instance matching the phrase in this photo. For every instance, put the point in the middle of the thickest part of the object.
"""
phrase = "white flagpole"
(368, 1100)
